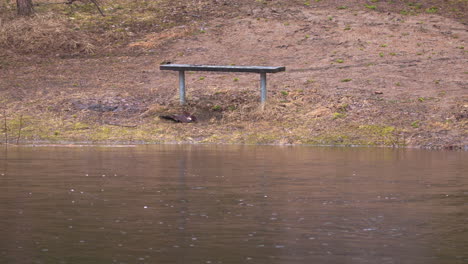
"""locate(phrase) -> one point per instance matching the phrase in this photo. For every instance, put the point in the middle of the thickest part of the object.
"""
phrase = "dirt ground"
(354, 76)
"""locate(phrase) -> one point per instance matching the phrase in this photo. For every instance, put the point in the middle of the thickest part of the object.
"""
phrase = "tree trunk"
(24, 7)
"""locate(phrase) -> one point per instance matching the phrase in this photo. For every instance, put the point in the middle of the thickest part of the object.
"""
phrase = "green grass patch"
(415, 5)
(379, 134)
(432, 10)
(338, 115)
(80, 126)
(415, 124)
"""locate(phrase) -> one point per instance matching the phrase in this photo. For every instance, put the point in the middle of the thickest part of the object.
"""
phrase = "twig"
(98, 8)
(19, 129)
(120, 125)
(42, 4)
(69, 2)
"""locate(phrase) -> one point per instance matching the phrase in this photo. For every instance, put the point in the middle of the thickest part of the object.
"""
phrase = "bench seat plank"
(216, 68)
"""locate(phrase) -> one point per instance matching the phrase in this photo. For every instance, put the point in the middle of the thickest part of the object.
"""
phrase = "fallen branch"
(120, 125)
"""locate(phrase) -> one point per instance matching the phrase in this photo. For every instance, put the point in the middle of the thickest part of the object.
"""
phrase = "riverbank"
(355, 75)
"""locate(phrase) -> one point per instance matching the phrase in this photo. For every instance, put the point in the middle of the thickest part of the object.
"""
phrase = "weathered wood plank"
(218, 68)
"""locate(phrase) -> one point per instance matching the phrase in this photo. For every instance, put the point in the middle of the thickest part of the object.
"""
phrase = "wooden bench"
(181, 68)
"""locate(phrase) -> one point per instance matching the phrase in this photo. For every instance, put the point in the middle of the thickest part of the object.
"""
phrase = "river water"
(232, 204)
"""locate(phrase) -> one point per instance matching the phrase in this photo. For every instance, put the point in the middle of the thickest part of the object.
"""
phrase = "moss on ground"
(53, 129)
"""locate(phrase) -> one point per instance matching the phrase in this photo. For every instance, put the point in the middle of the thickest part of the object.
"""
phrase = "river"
(232, 204)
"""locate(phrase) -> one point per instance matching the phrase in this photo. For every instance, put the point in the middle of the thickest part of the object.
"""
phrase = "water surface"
(232, 204)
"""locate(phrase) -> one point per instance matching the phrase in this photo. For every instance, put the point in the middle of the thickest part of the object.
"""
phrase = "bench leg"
(263, 84)
(182, 87)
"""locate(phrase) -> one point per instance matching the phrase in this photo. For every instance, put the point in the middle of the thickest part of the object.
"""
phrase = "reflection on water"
(232, 204)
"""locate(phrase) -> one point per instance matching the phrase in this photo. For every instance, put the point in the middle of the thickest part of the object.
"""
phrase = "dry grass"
(154, 40)
(80, 29)
(42, 34)
(309, 105)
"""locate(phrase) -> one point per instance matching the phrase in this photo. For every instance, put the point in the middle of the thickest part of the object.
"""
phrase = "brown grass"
(154, 40)
(79, 29)
(42, 34)
(413, 97)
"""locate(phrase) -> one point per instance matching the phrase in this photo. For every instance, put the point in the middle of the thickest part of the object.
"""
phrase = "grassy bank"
(290, 117)
(380, 73)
